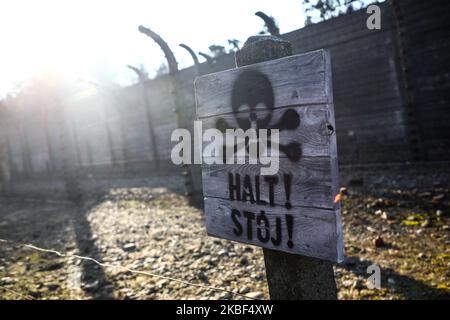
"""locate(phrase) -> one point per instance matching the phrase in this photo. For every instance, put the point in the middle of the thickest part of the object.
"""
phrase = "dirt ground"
(153, 229)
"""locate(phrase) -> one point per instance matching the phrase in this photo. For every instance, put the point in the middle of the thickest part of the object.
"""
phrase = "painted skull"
(252, 102)
(253, 93)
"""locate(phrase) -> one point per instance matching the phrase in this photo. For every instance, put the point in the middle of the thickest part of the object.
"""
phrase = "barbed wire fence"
(112, 266)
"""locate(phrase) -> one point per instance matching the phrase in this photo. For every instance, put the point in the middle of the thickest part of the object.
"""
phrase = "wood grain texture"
(296, 80)
(311, 182)
(311, 132)
(314, 230)
(302, 84)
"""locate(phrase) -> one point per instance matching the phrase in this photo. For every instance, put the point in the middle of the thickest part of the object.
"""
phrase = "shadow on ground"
(49, 230)
(405, 286)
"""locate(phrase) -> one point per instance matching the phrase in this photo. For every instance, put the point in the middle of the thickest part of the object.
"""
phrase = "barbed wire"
(26, 297)
(107, 265)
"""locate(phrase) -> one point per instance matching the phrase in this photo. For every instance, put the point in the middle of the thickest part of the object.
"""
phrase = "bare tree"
(217, 50)
(234, 43)
(320, 10)
(162, 69)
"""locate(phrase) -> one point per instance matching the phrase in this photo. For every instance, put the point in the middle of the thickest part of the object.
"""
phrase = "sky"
(82, 39)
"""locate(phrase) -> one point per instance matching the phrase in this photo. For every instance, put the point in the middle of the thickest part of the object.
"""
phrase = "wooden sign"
(296, 210)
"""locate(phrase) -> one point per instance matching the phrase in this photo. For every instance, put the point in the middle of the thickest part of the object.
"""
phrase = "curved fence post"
(270, 23)
(193, 55)
(191, 52)
(179, 100)
(171, 61)
(209, 59)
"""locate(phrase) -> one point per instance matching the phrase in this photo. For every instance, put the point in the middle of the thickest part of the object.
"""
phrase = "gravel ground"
(153, 229)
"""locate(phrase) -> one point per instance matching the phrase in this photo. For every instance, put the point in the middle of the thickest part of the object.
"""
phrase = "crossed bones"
(252, 88)
(289, 121)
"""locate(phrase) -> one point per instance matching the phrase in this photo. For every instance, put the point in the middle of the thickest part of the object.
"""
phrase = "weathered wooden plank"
(311, 132)
(310, 185)
(295, 80)
(313, 232)
(293, 95)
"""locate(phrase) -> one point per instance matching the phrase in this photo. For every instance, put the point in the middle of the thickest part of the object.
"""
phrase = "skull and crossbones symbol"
(253, 101)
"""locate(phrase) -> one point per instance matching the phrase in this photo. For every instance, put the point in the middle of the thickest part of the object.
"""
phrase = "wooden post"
(70, 172)
(290, 277)
(177, 96)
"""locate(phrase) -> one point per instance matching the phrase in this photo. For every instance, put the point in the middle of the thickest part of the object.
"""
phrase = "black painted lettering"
(250, 217)
(263, 231)
(247, 192)
(235, 215)
(287, 188)
(234, 186)
(290, 227)
(277, 241)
